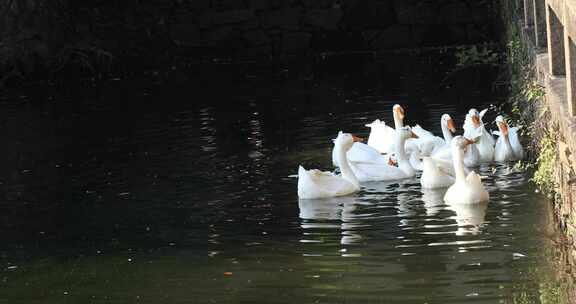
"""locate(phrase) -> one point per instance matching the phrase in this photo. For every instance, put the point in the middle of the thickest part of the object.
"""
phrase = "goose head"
(460, 142)
(447, 122)
(475, 117)
(398, 112)
(346, 140)
(502, 125)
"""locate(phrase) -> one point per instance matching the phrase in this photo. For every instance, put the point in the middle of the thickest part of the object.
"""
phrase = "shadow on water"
(177, 189)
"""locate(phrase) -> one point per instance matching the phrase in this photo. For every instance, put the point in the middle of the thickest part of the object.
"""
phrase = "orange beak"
(451, 125)
(476, 121)
(504, 128)
(469, 142)
(392, 162)
(357, 139)
(412, 135)
(400, 112)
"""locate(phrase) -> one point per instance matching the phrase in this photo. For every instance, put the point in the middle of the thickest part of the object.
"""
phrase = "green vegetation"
(474, 55)
(524, 103)
(546, 162)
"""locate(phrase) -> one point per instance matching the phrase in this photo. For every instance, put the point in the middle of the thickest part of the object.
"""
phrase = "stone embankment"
(549, 31)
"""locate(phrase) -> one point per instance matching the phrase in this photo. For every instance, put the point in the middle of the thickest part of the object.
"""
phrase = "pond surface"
(155, 191)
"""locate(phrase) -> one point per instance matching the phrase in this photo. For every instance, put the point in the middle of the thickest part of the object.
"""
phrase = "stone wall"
(254, 28)
(547, 118)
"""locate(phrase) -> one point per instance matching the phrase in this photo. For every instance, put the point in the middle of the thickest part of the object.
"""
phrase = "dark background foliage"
(67, 38)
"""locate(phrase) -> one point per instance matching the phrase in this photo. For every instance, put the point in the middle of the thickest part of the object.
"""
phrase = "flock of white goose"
(398, 153)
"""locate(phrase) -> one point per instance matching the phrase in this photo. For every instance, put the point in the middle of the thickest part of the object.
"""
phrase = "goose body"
(473, 125)
(434, 176)
(314, 184)
(427, 142)
(383, 170)
(504, 150)
(515, 142)
(360, 152)
(466, 189)
(382, 137)
(442, 153)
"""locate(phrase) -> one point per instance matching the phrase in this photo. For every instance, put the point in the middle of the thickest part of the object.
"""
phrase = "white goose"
(485, 144)
(473, 120)
(382, 136)
(384, 170)
(318, 184)
(441, 156)
(360, 152)
(471, 154)
(434, 176)
(430, 144)
(442, 149)
(466, 189)
(380, 133)
(380, 141)
(508, 147)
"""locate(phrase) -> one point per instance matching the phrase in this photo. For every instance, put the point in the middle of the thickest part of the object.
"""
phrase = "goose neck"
(400, 149)
(447, 134)
(398, 122)
(458, 160)
(345, 169)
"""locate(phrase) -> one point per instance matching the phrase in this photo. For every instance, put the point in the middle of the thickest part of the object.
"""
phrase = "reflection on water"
(119, 198)
(433, 200)
(469, 217)
(331, 213)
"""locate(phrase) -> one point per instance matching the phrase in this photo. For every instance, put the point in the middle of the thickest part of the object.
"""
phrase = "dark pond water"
(179, 191)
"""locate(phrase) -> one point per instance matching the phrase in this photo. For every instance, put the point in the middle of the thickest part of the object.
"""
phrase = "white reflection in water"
(316, 213)
(256, 137)
(469, 217)
(433, 200)
(207, 129)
